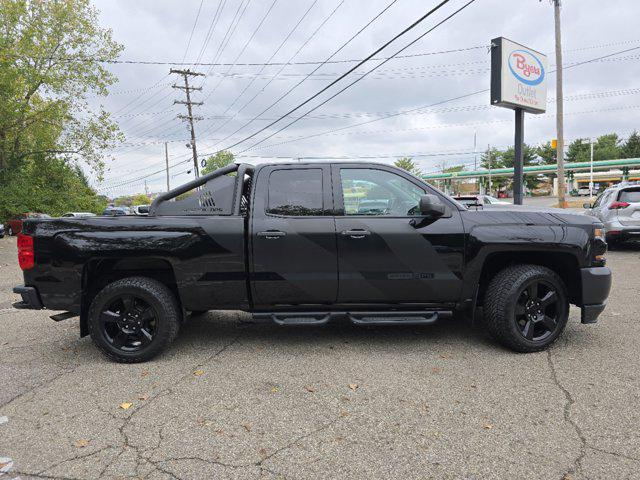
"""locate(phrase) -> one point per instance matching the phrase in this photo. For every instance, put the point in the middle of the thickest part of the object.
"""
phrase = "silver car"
(618, 208)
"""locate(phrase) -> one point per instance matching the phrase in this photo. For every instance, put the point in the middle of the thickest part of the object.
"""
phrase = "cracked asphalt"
(236, 399)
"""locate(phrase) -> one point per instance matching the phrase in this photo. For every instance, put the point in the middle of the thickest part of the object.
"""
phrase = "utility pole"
(146, 189)
(188, 89)
(562, 203)
(166, 159)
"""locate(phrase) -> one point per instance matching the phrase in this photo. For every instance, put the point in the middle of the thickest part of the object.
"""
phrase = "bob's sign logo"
(526, 67)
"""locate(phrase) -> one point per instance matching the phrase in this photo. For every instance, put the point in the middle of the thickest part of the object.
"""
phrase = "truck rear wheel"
(133, 319)
(526, 307)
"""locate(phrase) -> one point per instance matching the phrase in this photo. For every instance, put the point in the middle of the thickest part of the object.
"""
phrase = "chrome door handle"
(356, 233)
(271, 234)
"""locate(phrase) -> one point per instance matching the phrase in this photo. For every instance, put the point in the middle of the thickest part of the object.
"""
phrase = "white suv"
(618, 208)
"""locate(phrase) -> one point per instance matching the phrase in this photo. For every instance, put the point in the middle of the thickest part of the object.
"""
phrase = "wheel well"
(564, 264)
(99, 273)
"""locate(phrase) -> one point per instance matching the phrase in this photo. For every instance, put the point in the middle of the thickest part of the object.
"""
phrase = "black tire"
(526, 307)
(126, 339)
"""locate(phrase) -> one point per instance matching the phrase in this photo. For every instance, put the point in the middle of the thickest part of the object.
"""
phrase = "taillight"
(618, 205)
(26, 258)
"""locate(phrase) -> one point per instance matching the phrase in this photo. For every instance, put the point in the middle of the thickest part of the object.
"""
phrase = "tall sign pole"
(562, 202)
(518, 81)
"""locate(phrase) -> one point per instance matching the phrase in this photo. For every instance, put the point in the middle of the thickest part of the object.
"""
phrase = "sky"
(452, 60)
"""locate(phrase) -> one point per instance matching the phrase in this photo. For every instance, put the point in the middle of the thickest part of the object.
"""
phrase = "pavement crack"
(576, 467)
(298, 440)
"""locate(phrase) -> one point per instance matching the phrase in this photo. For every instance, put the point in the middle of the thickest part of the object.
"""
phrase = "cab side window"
(378, 192)
(295, 192)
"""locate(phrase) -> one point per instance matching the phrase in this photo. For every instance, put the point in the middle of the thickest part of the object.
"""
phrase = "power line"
(430, 12)
(284, 41)
(242, 50)
(235, 21)
(441, 102)
(274, 76)
(310, 62)
(212, 26)
(328, 59)
(195, 22)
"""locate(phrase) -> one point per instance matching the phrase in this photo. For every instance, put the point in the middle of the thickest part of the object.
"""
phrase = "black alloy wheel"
(129, 323)
(526, 307)
(536, 312)
(134, 319)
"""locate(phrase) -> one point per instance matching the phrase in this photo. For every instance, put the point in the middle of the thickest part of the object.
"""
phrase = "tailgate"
(629, 216)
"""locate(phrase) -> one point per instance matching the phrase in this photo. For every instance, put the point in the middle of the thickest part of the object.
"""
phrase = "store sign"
(518, 76)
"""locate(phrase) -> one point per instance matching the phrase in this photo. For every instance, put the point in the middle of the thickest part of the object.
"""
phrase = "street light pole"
(591, 172)
(562, 203)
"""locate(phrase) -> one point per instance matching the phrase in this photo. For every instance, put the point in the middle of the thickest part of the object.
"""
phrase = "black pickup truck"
(306, 243)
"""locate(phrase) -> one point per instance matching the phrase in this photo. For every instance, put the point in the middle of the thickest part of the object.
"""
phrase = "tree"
(547, 153)
(631, 148)
(578, 151)
(132, 200)
(407, 163)
(50, 59)
(47, 185)
(51, 55)
(606, 147)
(219, 160)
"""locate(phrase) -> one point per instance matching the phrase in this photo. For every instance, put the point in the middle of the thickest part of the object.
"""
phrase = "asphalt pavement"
(235, 399)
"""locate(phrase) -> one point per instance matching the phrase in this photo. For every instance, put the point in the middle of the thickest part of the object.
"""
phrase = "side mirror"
(586, 206)
(430, 206)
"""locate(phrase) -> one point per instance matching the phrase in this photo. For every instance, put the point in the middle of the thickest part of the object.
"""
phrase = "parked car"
(280, 241)
(618, 208)
(115, 211)
(479, 200)
(15, 224)
(140, 210)
(78, 214)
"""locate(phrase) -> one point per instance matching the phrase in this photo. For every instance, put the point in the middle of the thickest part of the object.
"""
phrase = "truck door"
(382, 257)
(293, 237)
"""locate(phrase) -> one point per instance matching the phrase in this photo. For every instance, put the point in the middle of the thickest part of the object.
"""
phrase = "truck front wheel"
(526, 307)
(133, 319)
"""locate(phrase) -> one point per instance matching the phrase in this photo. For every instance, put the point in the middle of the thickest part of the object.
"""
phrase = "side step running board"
(357, 318)
(62, 316)
(393, 318)
(295, 318)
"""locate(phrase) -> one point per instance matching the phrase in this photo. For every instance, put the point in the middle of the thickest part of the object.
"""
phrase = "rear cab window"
(631, 195)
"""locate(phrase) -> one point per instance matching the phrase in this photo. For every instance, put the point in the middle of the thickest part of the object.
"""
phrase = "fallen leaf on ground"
(353, 386)
(488, 426)
(436, 370)
(143, 397)
(344, 414)
(5, 465)
(310, 388)
(144, 373)
(82, 443)
(445, 355)
(197, 373)
(262, 452)
(126, 405)
(247, 427)
(274, 389)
